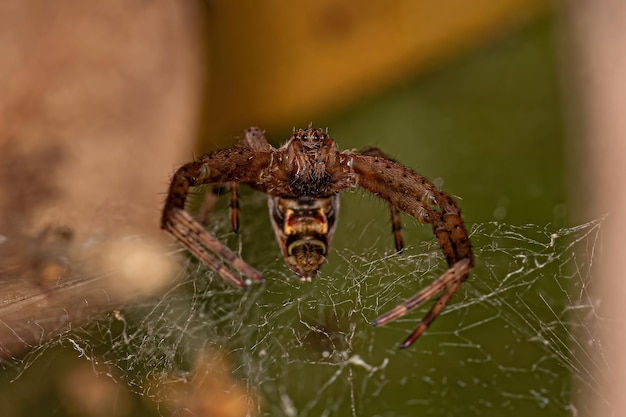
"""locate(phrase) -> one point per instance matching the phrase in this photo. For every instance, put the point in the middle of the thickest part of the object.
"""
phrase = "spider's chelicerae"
(303, 180)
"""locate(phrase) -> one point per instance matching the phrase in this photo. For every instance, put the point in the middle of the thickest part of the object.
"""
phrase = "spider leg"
(396, 229)
(396, 223)
(408, 191)
(253, 138)
(450, 281)
(205, 257)
(238, 164)
(234, 206)
(433, 313)
(183, 220)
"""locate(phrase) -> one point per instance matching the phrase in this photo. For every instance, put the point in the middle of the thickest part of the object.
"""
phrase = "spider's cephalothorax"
(308, 155)
(303, 180)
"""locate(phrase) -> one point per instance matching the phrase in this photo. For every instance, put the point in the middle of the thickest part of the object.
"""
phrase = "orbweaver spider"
(303, 180)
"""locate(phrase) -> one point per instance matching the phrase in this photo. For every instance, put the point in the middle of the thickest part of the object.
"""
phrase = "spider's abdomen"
(305, 254)
(304, 229)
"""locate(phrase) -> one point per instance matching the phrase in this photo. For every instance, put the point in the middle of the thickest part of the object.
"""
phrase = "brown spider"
(303, 180)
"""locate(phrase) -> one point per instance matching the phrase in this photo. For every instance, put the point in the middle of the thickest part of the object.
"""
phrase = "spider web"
(511, 340)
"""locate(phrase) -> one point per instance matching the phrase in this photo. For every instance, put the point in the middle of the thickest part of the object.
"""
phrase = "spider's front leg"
(238, 164)
(252, 138)
(410, 192)
(396, 224)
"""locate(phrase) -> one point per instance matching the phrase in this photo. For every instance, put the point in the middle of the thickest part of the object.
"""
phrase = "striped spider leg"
(229, 166)
(303, 180)
(396, 225)
(408, 191)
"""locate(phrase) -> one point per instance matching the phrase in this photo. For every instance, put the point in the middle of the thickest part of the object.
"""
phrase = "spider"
(302, 180)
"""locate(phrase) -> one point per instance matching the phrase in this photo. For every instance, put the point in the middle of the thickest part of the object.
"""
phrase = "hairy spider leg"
(209, 241)
(253, 138)
(440, 304)
(396, 229)
(413, 194)
(234, 206)
(183, 235)
(210, 198)
(450, 281)
(226, 166)
(396, 222)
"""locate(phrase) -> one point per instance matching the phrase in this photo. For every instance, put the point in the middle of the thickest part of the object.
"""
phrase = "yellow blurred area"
(276, 63)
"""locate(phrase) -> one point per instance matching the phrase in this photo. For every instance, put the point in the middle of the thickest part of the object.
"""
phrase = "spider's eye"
(316, 137)
(305, 137)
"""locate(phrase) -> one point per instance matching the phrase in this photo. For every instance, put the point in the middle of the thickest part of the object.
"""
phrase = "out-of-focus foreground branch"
(30, 313)
(596, 66)
(97, 104)
(50, 286)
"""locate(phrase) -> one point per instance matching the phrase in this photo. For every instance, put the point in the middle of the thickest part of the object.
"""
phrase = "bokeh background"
(100, 102)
